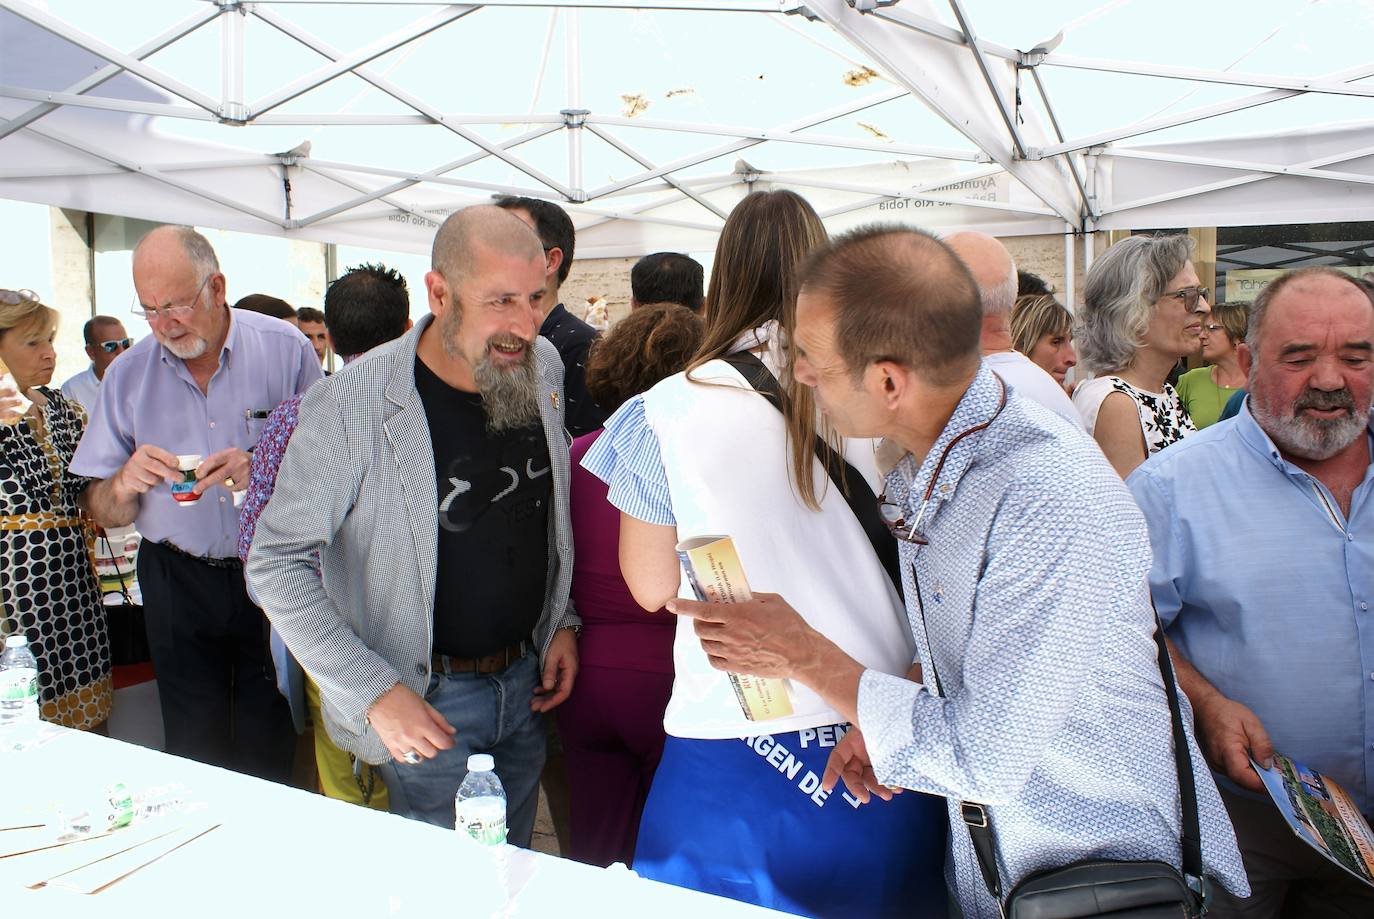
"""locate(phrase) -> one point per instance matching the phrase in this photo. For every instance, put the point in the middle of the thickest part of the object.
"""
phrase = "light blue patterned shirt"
(1266, 586)
(1030, 604)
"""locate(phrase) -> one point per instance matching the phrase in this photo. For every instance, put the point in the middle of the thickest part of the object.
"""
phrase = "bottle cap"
(18, 640)
(481, 762)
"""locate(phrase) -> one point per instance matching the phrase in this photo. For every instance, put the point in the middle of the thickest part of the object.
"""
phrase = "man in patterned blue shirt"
(1024, 565)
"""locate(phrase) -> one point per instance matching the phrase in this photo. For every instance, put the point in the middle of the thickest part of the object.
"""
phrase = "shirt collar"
(1257, 439)
(958, 442)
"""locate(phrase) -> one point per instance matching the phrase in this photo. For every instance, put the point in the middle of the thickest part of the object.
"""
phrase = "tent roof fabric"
(366, 122)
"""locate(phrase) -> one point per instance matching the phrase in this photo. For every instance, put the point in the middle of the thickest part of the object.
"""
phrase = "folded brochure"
(1321, 814)
(716, 575)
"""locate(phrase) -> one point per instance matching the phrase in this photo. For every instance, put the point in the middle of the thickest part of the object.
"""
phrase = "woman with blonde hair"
(48, 587)
(1042, 330)
(736, 806)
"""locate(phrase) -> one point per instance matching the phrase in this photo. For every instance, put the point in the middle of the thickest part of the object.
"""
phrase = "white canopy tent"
(648, 120)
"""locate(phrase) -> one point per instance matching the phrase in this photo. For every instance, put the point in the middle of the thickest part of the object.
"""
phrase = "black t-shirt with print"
(493, 521)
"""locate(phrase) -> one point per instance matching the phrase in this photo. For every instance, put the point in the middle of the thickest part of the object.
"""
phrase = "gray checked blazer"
(357, 486)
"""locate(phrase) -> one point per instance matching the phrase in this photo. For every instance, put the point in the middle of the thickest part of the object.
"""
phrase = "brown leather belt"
(492, 663)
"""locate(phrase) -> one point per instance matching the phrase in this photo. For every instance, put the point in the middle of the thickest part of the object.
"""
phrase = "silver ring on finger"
(411, 757)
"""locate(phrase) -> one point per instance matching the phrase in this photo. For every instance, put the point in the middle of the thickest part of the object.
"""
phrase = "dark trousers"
(1288, 880)
(214, 671)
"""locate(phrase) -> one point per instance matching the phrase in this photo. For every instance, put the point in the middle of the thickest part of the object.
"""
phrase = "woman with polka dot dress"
(48, 586)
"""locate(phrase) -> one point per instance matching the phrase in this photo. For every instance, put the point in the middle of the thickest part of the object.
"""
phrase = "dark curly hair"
(650, 344)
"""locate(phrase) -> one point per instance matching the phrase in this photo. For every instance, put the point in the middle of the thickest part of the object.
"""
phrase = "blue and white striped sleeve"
(626, 457)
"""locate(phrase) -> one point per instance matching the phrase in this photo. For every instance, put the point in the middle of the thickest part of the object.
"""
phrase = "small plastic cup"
(183, 492)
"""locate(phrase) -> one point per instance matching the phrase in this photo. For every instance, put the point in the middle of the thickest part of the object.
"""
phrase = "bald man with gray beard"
(431, 477)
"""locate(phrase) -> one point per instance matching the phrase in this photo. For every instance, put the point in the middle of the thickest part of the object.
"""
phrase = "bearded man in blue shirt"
(1263, 536)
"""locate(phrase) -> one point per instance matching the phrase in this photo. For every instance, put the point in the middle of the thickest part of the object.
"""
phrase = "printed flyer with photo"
(1321, 814)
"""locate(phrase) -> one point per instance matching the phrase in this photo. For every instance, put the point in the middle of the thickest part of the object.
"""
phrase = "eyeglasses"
(14, 297)
(895, 516)
(1189, 295)
(170, 312)
(115, 344)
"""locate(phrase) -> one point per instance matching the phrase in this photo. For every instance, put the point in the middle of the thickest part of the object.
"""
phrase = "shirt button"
(420, 669)
(212, 424)
(1364, 606)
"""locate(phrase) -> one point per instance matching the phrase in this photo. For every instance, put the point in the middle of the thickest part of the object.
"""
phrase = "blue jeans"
(492, 715)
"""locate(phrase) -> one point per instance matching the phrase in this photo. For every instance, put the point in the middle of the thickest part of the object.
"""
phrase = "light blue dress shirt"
(1030, 605)
(149, 397)
(1266, 587)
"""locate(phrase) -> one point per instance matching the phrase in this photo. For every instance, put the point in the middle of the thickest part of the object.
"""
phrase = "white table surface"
(280, 851)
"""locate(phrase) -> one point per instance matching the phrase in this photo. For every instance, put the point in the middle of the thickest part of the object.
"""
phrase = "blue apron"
(746, 819)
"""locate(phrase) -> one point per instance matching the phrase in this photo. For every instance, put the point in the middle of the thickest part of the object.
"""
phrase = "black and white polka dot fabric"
(48, 586)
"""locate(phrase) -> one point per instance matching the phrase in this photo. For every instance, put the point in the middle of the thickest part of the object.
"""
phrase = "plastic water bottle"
(18, 683)
(480, 806)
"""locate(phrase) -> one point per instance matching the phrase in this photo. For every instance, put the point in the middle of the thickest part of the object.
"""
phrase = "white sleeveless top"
(727, 462)
(1163, 419)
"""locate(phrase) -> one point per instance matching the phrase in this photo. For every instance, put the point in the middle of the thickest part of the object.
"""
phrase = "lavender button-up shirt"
(149, 397)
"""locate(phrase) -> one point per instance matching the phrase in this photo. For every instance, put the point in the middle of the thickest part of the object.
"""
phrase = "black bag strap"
(979, 822)
(123, 587)
(852, 484)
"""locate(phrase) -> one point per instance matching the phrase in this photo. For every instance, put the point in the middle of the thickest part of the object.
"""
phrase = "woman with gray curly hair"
(1143, 308)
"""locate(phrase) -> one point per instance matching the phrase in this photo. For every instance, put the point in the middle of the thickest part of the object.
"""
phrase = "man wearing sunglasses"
(105, 341)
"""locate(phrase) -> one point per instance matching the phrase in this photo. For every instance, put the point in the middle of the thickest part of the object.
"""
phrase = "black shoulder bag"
(1122, 890)
(852, 484)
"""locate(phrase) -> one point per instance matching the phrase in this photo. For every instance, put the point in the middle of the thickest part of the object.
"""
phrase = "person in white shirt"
(995, 274)
(105, 341)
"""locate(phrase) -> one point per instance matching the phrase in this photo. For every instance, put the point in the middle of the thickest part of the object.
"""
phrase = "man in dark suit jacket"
(571, 336)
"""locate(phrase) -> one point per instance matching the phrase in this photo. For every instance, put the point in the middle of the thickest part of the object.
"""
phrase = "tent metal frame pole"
(971, 39)
(648, 164)
(307, 119)
(321, 47)
(156, 175)
(108, 72)
(410, 179)
(1059, 133)
(231, 63)
(355, 186)
(99, 103)
(1232, 183)
(1070, 258)
(783, 136)
(701, 6)
(1243, 166)
(754, 140)
(895, 52)
(1194, 115)
(1198, 75)
(640, 209)
(572, 37)
(114, 56)
(365, 55)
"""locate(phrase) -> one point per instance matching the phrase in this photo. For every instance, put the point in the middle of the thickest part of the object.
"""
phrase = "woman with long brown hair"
(736, 807)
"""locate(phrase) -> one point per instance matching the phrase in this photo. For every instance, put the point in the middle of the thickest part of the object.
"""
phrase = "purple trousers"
(612, 730)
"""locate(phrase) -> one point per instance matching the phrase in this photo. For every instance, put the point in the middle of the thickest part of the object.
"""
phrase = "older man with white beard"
(431, 478)
(1263, 538)
(202, 384)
